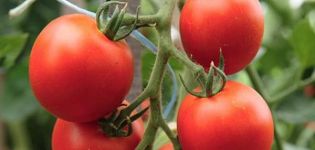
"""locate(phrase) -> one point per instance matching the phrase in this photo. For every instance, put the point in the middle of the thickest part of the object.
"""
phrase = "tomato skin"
(88, 136)
(237, 118)
(235, 26)
(76, 73)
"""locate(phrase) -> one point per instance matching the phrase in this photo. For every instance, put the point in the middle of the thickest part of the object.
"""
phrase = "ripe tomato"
(235, 26)
(76, 73)
(88, 136)
(237, 118)
(168, 146)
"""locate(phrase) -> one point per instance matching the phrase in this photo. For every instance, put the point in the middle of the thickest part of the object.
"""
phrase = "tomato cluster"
(80, 76)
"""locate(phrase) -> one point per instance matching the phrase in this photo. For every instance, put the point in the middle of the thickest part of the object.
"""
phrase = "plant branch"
(142, 20)
(257, 82)
(166, 13)
(183, 58)
(170, 134)
(149, 136)
(292, 89)
(155, 81)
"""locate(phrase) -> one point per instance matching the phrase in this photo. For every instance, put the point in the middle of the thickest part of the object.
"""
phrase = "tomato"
(88, 136)
(235, 26)
(237, 118)
(168, 146)
(77, 73)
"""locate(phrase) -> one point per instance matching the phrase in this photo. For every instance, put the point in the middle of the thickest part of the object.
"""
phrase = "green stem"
(149, 136)
(258, 85)
(257, 82)
(165, 14)
(19, 136)
(170, 134)
(155, 81)
(142, 20)
(187, 76)
(292, 89)
(183, 58)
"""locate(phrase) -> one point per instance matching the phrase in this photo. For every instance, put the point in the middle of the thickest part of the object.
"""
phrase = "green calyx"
(112, 26)
(115, 126)
(210, 83)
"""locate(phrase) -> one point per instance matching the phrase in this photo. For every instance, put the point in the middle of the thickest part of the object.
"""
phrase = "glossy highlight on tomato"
(237, 118)
(77, 73)
(89, 136)
(234, 26)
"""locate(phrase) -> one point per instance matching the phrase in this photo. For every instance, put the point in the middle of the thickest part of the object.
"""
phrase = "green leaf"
(297, 109)
(302, 39)
(10, 48)
(17, 101)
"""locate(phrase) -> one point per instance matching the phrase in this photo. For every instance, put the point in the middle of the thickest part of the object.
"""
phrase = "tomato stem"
(155, 82)
(120, 25)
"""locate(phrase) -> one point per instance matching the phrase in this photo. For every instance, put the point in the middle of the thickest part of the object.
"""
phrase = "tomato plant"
(234, 26)
(236, 118)
(81, 69)
(84, 136)
(77, 73)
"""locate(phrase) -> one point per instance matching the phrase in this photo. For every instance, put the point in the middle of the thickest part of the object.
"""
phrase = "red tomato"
(235, 26)
(168, 146)
(89, 136)
(76, 73)
(237, 118)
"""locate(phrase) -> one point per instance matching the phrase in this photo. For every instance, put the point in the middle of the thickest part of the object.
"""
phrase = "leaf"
(10, 48)
(302, 40)
(297, 109)
(17, 101)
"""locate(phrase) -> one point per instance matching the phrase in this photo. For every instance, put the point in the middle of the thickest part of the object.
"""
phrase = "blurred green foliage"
(28, 125)
(287, 53)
